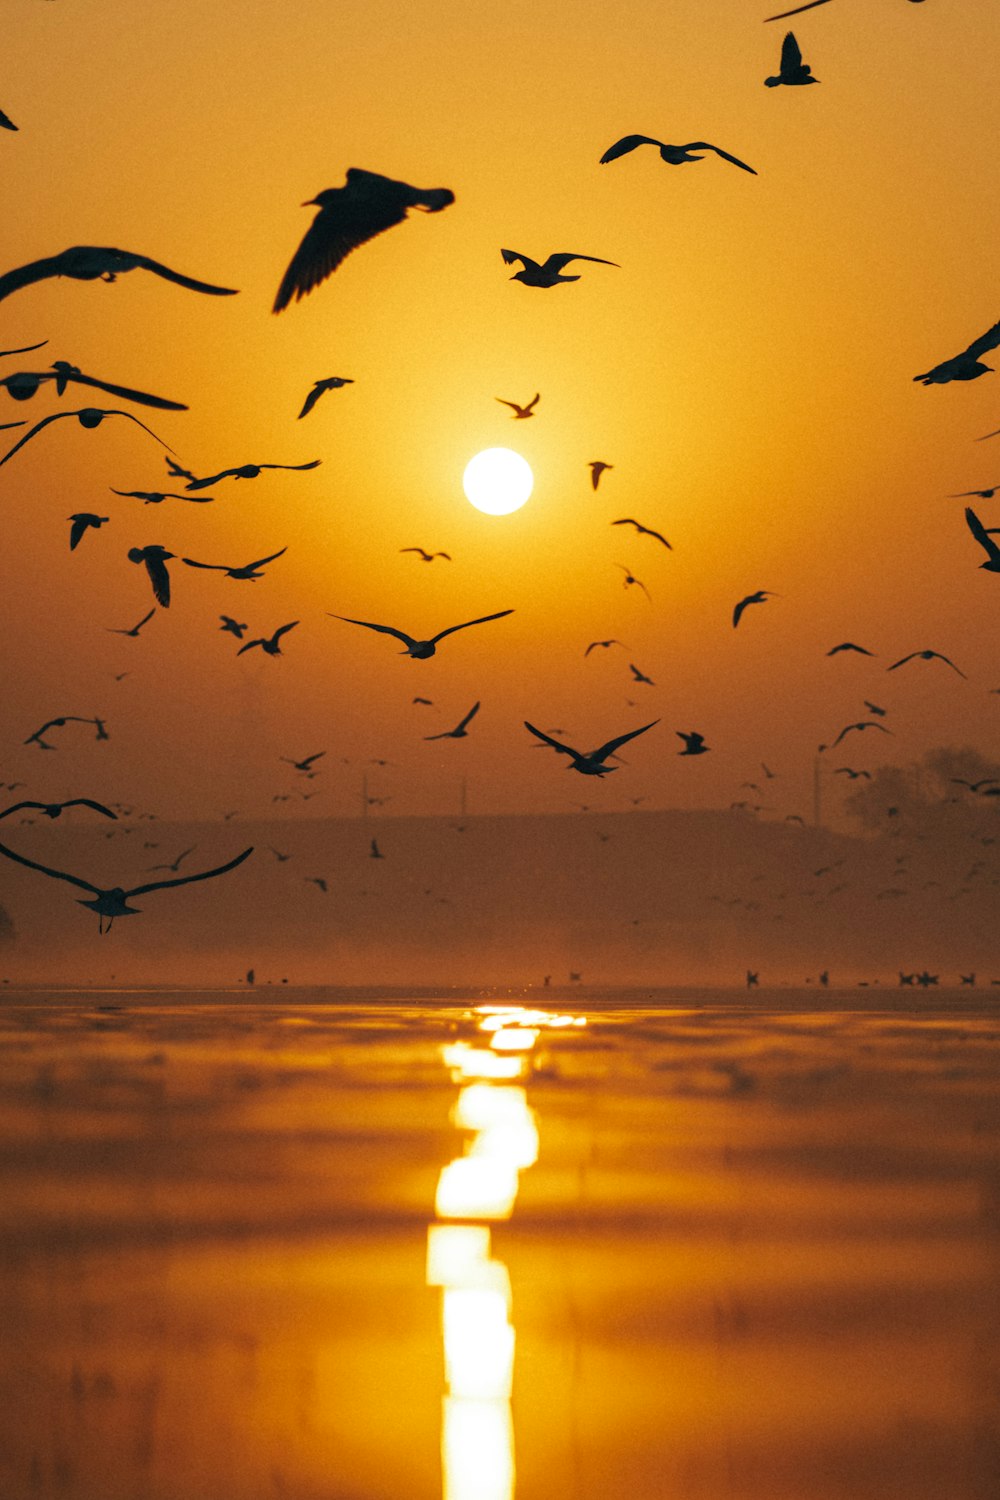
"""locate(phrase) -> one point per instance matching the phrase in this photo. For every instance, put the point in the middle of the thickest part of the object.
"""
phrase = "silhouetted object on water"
(349, 216)
(791, 69)
(597, 468)
(926, 656)
(675, 155)
(758, 598)
(374, 851)
(113, 630)
(83, 521)
(752, 979)
(330, 383)
(984, 536)
(548, 272)
(113, 902)
(590, 763)
(969, 979)
(694, 743)
(99, 263)
(53, 809)
(420, 649)
(269, 644)
(250, 570)
(427, 556)
(964, 366)
(460, 730)
(643, 530)
(244, 471)
(155, 559)
(24, 384)
(521, 412)
(849, 646)
(89, 417)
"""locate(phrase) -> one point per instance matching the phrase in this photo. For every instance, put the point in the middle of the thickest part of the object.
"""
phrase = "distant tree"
(930, 797)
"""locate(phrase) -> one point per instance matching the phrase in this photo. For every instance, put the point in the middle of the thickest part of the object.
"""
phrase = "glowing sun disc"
(497, 481)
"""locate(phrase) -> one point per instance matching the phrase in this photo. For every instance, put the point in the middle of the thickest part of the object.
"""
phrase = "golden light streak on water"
(476, 1187)
(477, 1450)
(458, 1254)
(476, 1062)
(478, 1343)
(514, 1039)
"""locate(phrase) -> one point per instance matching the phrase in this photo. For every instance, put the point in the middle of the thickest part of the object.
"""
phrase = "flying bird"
(306, 763)
(349, 216)
(964, 366)
(758, 598)
(597, 468)
(427, 556)
(156, 497)
(630, 580)
(521, 412)
(245, 471)
(87, 416)
(6, 122)
(58, 723)
(638, 676)
(415, 648)
(976, 494)
(643, 531)
(605, 644)
(83, 521)
(53, 809)
(791, 69)
(330, 383)
(24, 384)
(849, 646)
(984, 536)
(812, 4)
(865, 724)
(675, 155)
(854, 775)
(460, 731)
(269, 643)
(547, 273)
(234, 627)
(155, 558)
(113, 630)
(925, 656)
(113, 902)
(694, 743)
(591, 763)
(175, 864)
(248, 570)
(873, 708)
(99, 263)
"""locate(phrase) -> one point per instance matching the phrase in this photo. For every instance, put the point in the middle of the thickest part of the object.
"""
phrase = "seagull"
(113, 630)
(24, 384)
(330, 383)
(983, 536)
(248, 570)
(638, 676)
(156, 497)
(415, 648)
(854, 775)
(245, 471)
(547, 273)
(593, 762)
(303, 765)
(976, 494)
(643, 531)
(113, 902)
(675, 155)
(427, 556)
(6, 122)
(155, 558)
(460, 731)
(316, 880)
(812, 4)
(964, 366)
(349, 216)
(521, 412)
(99, 263)
(873, 708)
(53, 809)
(974, 786)
(630, 579)
(597, 468)
(83, 521)
(849, 646)
(87, 416)
(791, 69)
(866, 724)
(605, 644)
(925, 656)
(694, 743)
(375, 852)
(268, 643)
(758, 598)
(175, 865)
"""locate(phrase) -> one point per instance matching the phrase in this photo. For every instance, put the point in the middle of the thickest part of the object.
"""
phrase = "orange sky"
(747, 371)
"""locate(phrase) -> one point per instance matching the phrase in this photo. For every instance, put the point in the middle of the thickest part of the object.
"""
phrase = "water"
(290, 1244)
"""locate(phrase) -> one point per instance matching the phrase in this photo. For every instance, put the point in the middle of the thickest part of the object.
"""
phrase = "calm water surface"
(277, 1245)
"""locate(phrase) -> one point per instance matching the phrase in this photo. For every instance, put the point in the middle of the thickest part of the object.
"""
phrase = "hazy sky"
(748, 371)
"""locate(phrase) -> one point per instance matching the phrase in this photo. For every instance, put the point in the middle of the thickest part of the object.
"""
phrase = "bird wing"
(791, 53)
(423, 554)
(644, 530)
(128, 395)
(470, 715)
(466, 623)
(176, 470)
(52, 417)
(510, 256)
(250, 645)
(159, 885)
(79, 526)
(28, 349)
(512, 404)
(218, 567)
(606, 750)
(195, 286)
(7, 122)
(312, 398)
(262, 560)
(738, 610)
(160, 579)
(312, 464)
(32, 864)
(562, 258)
(902, 661)
(981, 535)
(203, 484)
(408, 640)
(562, 749)
(35, 270)
(89, 802)
(131, 418)
(626, 144)
(283, 630)
(707, 146)
(783, 15)
(986, 341)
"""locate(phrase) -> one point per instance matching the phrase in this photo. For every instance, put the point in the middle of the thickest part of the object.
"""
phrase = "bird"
(975, 494)
(269, 643)
(694, 743)
(349, 216)
(675, 155)
(87, 416)
(758, 598)
(330, 383)
(861, 725)
(791, 69)
(605, 644)
(233, 627)
(849, 646)
(631, 580)
(591, 763)
(984, 536)
(175, 864)
(811, 5)
(113, 630)
(100, 263)
(643, 530)
(53, 809)
(244, 471)
(318, 881)
(248, 570)
(548, 273)
(6, 122)
(925, 656)
(460, 731)
(415, 648)
(155, 558)
(113, 902)
(597, 468)
(521, 412)
(57, 723)
(964, 366)
(873, 708)
(974, 786)
(306, 763)
(638, 676)
(24, 384)
(156, 497)
(854, 775)
(427, 556)
(83, 521)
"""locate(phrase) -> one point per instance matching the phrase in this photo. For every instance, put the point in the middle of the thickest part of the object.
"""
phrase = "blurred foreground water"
(281, 1246)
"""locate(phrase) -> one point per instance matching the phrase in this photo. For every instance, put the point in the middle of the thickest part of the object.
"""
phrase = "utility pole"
(817, 795)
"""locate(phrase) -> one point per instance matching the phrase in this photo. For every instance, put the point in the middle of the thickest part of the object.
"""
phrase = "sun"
(497, 481)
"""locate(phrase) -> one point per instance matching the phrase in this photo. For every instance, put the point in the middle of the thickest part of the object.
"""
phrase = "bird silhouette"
(873, 708)
(244, 471)
(174, 864)
(594, 644)
(631, 581)
(675, 155)
(811, 5)
(6, 122)
(597, 468)
(791, 68)
(99, 263)
(134, 631)
(87, 416)
(427, 556)
(155, 559)
(248, 570)
(269, 644)
(964, 366)
(638, 676)
(548, 273)
(926, 656)
(460, 730)
(975, 494)
(854, 775)
(593, 762)
(694, 743)
(758, 598)
(83, 521)
(303, 765)
(984, 536)
(24, 384)
(330, 383)
(415, 648)
(54, 809)
(113, 902)
(349, 216)
(156, 497)
(233, 627)
(849, 646)
(861, 725)
(521, 412)
(643, 530)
